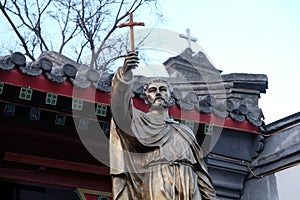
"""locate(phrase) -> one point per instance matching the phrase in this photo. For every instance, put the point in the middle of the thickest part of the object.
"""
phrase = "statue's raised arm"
(121, 96)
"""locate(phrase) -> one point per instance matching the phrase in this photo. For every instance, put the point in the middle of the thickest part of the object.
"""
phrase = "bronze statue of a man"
(153, 157)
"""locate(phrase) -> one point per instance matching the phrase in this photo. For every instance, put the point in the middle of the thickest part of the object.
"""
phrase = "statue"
(153, 157)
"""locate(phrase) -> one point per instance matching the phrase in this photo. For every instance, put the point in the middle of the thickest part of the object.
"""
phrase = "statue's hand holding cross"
(131, 61)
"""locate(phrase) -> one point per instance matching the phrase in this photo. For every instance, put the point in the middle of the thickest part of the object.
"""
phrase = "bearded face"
(158, 95)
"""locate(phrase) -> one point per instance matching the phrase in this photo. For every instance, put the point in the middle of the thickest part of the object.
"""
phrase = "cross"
(131, 24)
(188, 37)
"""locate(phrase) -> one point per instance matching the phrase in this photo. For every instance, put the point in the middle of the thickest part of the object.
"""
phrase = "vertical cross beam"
(188, 37)
(131, 24)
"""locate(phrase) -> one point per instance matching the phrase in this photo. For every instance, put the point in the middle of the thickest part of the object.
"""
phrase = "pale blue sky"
(251, 36)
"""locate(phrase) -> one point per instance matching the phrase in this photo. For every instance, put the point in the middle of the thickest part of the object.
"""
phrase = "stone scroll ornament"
(8, 62)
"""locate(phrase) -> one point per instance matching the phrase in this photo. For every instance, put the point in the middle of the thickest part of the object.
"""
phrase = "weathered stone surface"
(18, 59)
(8, 62)
(186, 104)
(190, 65)
(220, 110)
(235, 144)
(81, 81)
(93, 75)
(58, 59)
(104, 82)
(55, 78)
(45, 64)
(228, 161)
(205, 104)
(31, 70)
(261, 189)
(281, 123)
(280, 150)
(228, 182)
(236, 115)
(6, 66)
(69, 70)
(255, 117)
(56, 75)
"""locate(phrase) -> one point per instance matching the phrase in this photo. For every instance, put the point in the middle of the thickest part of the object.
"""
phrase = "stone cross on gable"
(188, 37)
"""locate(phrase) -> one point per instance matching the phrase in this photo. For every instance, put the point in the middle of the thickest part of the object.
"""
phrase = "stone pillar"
(261, 189)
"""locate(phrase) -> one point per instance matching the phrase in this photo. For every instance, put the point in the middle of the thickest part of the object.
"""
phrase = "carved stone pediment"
(191, 66)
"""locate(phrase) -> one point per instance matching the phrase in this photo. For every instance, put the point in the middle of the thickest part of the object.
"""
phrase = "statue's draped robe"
(153, 159)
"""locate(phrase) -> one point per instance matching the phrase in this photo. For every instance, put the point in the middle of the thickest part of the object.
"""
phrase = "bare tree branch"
(117, 21)
(81, 50)
(35, 27)
(27, 52)
(84, 27)
(67, 31)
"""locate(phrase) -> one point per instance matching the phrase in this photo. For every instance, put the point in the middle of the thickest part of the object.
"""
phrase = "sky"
(243, 36)
(247, 36)
(250, 36)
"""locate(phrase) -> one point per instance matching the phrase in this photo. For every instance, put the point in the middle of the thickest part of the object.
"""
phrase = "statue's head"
(159, 94)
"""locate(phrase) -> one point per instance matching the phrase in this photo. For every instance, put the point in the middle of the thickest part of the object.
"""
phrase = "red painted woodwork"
(195, 116)
(55, 163)
(48, 172)
(41, 83)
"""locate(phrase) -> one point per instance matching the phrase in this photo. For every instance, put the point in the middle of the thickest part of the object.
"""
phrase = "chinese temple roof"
(232, 98)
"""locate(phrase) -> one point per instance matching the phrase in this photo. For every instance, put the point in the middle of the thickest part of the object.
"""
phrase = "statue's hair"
(158, 80)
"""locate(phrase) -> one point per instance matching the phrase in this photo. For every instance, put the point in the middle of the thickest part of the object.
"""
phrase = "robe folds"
(153, 158)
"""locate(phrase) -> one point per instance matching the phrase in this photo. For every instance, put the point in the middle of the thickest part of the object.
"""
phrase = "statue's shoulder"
(185, 129)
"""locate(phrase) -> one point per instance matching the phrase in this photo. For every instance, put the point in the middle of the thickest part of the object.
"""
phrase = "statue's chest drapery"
(175, 148)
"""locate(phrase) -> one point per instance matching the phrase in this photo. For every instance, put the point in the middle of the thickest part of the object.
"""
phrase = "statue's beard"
(163, 103)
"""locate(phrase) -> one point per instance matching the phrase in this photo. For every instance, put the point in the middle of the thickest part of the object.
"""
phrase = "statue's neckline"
(171, 120)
